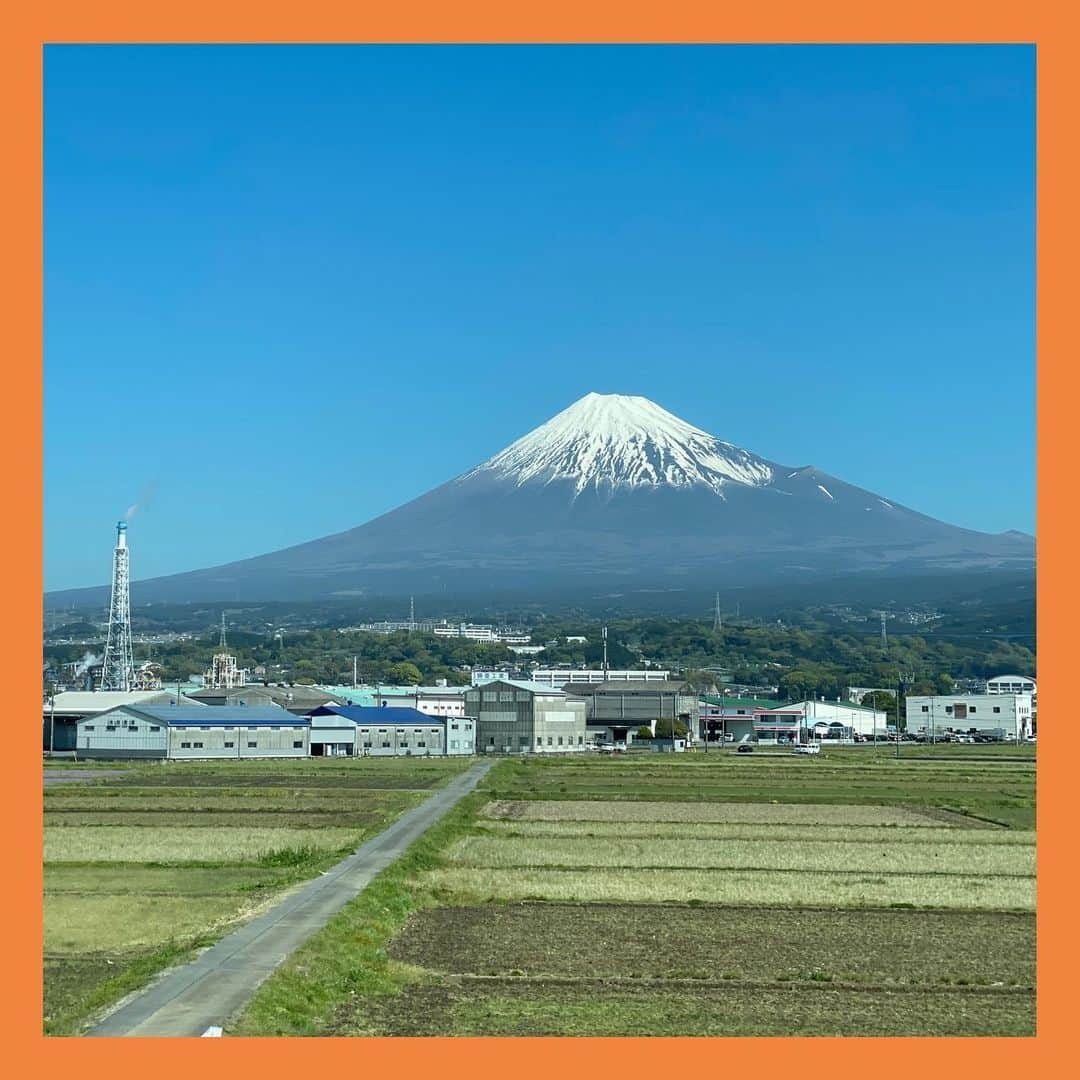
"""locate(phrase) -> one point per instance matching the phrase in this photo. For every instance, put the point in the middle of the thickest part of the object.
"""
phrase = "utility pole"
(354, 672)
(899, 703)
(884, 633)
(603, 635)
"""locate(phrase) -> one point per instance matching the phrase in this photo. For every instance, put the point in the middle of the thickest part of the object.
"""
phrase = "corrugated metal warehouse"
(389, 732)
(190, 732)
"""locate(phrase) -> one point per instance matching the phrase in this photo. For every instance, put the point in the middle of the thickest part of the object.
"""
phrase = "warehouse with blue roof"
(193, 732)
(356, 730)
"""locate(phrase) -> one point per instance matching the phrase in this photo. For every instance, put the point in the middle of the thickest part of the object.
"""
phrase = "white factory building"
(1002, 716)
(1014, 684)
(806, 721)
(557, 678)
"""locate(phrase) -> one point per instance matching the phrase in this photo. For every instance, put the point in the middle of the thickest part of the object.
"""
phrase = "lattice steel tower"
(118, 669)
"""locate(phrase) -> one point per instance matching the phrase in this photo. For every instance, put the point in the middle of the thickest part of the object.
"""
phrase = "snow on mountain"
(609, 441)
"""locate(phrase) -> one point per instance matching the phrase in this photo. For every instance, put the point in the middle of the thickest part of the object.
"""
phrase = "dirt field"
(646, 941)
(521, 1007)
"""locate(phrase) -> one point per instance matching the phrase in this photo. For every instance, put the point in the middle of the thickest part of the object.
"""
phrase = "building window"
(491, 740)
(539, 741)
(252, 744)
(154, 727)
(229, 745)
(926, 708)
(386, 746)
(997, 708)
(580, 740)
(298, 744)
(454, 727)
(549, 740)
(88, 727)
(948, 708)
(185, 746)
(421, 743)
(367, 746)
(204, 729)
(198, 745)
(560, 740)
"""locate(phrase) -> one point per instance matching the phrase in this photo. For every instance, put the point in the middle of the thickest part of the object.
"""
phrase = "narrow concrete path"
(209, 990)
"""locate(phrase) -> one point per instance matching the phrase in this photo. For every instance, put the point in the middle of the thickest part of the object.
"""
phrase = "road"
(205, 993)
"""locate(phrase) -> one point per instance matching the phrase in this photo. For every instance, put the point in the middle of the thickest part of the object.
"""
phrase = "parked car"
(807, 748)
(745, 748)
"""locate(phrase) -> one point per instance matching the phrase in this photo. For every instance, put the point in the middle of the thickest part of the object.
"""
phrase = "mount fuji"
(613, 491)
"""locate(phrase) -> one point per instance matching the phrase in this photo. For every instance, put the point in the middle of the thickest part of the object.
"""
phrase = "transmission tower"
(884, 633)
(118, 668)
(718, 619)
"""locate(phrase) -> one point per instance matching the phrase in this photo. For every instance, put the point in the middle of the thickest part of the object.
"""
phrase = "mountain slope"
(613, 489)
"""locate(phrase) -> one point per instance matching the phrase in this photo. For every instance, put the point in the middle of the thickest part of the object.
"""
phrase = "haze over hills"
(613, 491)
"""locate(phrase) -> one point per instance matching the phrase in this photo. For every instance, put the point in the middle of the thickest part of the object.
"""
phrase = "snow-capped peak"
(607, 441)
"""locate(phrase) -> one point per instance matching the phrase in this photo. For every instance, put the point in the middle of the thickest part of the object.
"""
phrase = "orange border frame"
(556, 21)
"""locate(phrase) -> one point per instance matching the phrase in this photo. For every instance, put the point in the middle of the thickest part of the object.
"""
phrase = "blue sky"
(290, 288)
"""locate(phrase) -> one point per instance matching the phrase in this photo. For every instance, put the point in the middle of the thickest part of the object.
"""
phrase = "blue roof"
(383, 714)
(217, 715)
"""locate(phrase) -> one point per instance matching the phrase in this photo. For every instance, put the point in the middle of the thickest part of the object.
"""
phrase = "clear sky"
(290, 288)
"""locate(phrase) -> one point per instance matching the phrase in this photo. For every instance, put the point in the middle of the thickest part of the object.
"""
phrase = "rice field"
(172, 844)
(803, 854)
(738, 895)
(742, 887)
(646, 830)
(689, 812)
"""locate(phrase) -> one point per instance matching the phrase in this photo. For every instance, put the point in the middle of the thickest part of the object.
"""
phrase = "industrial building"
(1015, 684)
(63, 711)
(430, 700)
(193, 732)
(729, 719)
(615, 710)
(806, 721)
(374, 731)
(1000, 716)
(514, 717)
(556, 677)
(299, 700)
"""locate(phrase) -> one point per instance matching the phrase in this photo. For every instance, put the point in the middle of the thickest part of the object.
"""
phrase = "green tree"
(663, 729)
(883, 702)
(404, 673)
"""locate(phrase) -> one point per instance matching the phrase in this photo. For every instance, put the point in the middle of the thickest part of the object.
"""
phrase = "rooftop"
(204, 716)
